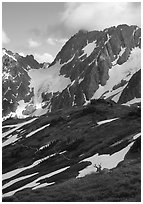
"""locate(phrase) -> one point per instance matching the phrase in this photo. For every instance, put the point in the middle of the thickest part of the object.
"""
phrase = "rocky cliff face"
(16, 82)
(100, 64)
(91, 65)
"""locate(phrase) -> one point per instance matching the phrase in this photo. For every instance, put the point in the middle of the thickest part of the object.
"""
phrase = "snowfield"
(47, 80)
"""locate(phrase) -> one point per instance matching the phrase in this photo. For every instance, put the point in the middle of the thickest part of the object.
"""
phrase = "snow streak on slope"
(16, 180)
(47, 80)
(19, 170)
(118, 73)
(16, 126)
(37, 130)
(35, 182)
(135, 100)
(11, 139)
(136, 136)
(106, 121)
(43, 185)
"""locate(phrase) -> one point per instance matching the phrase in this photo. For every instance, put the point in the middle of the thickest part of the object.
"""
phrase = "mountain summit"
(91, 65)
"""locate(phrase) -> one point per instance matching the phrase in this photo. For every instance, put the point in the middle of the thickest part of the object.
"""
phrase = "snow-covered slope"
(47, 80)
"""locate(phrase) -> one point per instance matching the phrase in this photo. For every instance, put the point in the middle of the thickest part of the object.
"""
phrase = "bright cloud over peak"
(45, 57)
(54, 41)
(32, 43)
(55, 22)
(5, 38)
(100, 15)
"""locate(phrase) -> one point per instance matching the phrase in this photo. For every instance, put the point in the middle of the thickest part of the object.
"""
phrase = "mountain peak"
(86, 68)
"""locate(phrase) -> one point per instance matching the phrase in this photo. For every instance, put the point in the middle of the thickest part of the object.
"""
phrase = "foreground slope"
(89, 153)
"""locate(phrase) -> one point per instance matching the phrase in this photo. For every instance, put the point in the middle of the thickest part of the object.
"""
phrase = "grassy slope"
(121, 184)
(79, 134)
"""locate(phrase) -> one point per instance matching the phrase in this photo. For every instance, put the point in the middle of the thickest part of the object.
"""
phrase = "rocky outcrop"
(133, 90)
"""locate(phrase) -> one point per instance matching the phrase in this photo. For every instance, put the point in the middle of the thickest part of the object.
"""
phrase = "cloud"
(32, 43)
(5, 38)
(36, 31)
(50, 41)
(54, 41)
(100, 15)
(58, 30)
(45, 57)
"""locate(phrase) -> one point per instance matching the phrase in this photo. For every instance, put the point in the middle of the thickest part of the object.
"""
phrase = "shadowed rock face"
(89, 60)
(133, 89)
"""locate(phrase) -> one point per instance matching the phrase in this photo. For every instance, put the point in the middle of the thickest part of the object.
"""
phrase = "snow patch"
(80, 80)
(86, 101)
(88, 49)
(106, 121)
(135, 100)
(106, 161)
(6, 75)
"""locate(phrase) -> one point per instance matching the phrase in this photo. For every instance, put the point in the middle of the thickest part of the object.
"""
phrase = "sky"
(42, 28)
